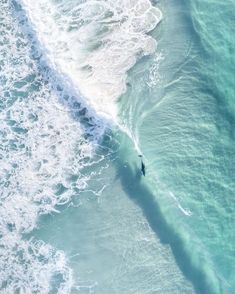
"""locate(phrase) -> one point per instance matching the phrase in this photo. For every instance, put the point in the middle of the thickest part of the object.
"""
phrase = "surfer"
(142, 165)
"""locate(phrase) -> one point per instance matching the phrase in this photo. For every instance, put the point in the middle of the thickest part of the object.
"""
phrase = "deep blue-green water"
(86, 87)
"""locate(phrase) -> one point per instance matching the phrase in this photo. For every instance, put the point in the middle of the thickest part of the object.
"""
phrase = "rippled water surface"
(87, 86)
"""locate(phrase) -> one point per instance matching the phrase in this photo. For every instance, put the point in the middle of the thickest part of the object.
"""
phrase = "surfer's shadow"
(125, 168)
(133, 184)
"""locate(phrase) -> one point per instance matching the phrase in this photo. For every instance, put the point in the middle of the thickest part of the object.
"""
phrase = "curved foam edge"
(39, 170)
(95, 43)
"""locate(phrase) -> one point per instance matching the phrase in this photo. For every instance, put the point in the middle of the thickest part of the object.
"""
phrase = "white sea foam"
(95, 43)
(43, 148)
(154, 78)
(185, 211)
(91, 45)
(31, 266)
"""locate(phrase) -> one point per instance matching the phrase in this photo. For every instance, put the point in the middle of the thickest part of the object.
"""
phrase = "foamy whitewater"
(36, 159)
(95, 43)
(58, 58)
(86, 86)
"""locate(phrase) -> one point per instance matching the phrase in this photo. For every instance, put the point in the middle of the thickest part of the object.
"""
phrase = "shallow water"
(85, 87)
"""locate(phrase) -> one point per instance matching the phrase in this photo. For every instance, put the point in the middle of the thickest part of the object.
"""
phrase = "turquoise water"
(77, 109)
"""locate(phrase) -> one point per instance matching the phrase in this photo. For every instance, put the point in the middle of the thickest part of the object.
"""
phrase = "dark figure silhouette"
(142, 166)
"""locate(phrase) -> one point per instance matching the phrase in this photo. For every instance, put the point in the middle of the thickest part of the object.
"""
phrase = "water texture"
(86, 86)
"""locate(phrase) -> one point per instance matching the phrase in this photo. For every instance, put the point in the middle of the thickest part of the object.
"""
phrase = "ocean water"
(87, 86)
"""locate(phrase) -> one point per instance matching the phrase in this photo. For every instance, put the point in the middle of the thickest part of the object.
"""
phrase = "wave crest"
(95, 43)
